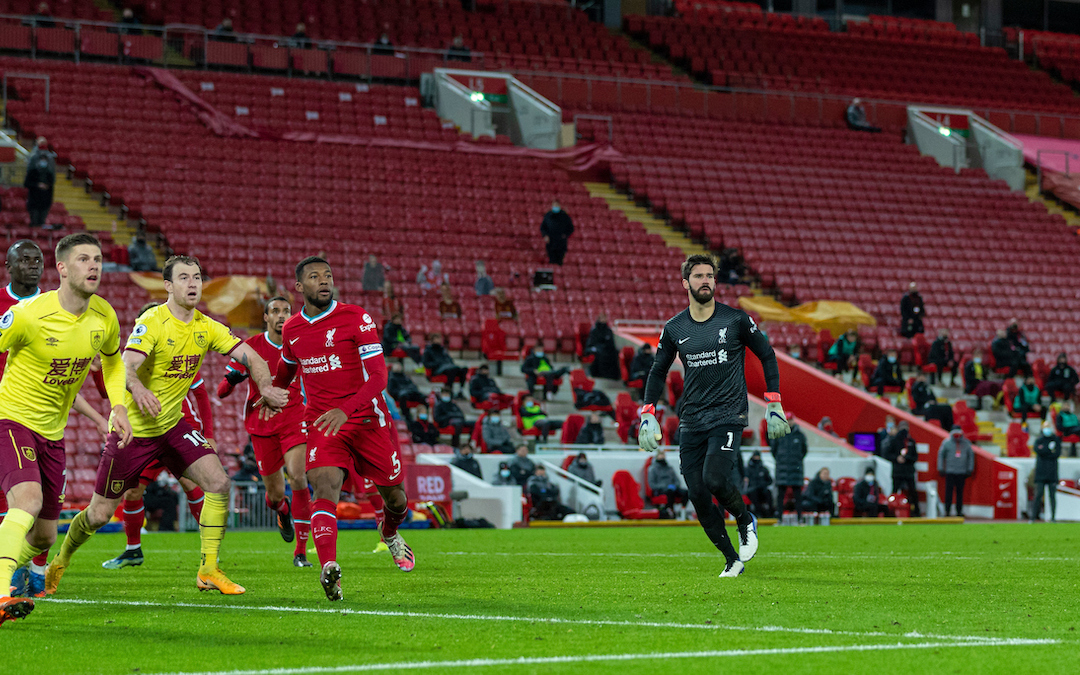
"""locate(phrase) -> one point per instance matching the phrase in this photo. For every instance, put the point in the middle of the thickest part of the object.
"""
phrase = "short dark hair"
(147, 307)
(266, 305)
(695, 260)
(64, 246)
(175, 260)
(310, 260)
(13, 250)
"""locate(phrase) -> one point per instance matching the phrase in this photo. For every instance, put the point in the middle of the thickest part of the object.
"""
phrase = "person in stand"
(912, 312)
(391, 304)
(943, 357)
(374, 278)
(439, 362)
(1047, 452)
(395, 336)
(642, 363)
(537, 365)
(458, 51)
(789, 452)
(39, 182)
(1067, 422)
(505, 310)
(1062, 380)
(976, 382)
(592, 433)
(581, 468)
(534, 417)
(601, 344)
(664, 481)
(545, 497)
(926, 404)
(449, 416)
(383, 46)
(887, 374)
(521, 467)
(483, 389)
(756, 486)
(496, 436)
(449, 307)
(556, 229)
(1028, 400)
(904, 470)
(818, 497)
(857, 119)
(483, 284)
(464, 460)
(845, 352)
(1007, 354)
(224, 31)
(402, 389)
(867, 497)
(956, 461)
(140, 256)
(503, 476)
(300, 37)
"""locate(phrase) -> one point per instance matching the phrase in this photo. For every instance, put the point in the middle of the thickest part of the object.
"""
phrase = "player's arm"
(114, 381)
(371, 356)
(649, 432)
(206, 412)
(143, 397)
(235, 373)
(245, 355)
(752, 337)
(83, 407)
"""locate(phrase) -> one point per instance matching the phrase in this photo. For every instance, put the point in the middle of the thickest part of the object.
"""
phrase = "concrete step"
(617, 201)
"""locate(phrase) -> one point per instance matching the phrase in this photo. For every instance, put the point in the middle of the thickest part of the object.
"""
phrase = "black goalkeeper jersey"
(712, 354)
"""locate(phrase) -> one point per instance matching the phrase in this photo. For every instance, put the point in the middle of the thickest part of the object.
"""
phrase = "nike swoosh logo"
(293, 341)
(1002, 486)
(683, 340)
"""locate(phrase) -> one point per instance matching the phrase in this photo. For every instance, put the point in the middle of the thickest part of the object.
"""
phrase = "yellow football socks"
(215, 511)
(27, 554)
(12, 537)
(78, 534)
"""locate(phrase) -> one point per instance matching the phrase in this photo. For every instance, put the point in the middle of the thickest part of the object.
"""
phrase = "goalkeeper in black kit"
(710, 339)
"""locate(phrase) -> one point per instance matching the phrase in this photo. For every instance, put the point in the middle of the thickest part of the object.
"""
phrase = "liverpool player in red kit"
(337, 350)
(279, 441)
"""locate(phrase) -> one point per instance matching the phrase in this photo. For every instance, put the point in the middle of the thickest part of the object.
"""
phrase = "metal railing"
(1039, 164)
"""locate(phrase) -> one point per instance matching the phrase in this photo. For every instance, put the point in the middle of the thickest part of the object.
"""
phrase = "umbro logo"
(51, 341)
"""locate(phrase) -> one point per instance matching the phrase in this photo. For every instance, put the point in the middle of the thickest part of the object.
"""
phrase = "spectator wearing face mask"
(438, 361)
(887, 374)
(601, 345)
(943, 357)
(826, 425)
(521, 467)
(1028, 400)
(926, 404)
(756, 486)
(395, 336)
(504, 476)
(818, 497)
(1047, 451)
(496, 436)
(482, 389)
(884, 434)
(581, 468)
(1062, 380)
(534, 417)
(536, 365)
(664, 481)
(867, 495)
(904, 470)
(1067, 422)
(1010, 353)
(556, 229)
(642, 363)
(464, 460)
(976, 382)
(401, 388)
(422, 429)
(956, 461)
(449, 416)
(592, 433)
(545, 497)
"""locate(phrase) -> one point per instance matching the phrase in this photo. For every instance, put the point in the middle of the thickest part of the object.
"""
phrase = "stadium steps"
(98, 218)
(618, 201)
(1031, 189)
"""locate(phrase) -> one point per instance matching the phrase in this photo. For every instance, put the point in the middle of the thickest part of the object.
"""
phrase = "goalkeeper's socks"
(78, 534)
(195, 500)
(134, 514)
(12, 540)
(391, 520)
(324, 529)
(212, 529)
(301, 514)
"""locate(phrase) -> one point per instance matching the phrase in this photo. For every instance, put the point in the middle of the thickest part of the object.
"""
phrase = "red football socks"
(134, 513)
(391, 520)
(301, 513)
(378, 504)
(324, 529)
(195, 502)
(41, 559)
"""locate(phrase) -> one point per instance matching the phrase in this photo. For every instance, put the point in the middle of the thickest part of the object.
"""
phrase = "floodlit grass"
(842, 599)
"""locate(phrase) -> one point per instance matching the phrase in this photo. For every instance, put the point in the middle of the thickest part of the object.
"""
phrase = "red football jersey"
(8, 299)
(331, 350)
(271, 353)
(196, 408)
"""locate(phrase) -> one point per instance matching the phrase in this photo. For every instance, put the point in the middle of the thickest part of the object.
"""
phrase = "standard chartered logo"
(335, 362)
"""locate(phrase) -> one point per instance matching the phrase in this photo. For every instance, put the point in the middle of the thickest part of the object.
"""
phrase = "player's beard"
(84, 288)
(316, 301)
(701, 295)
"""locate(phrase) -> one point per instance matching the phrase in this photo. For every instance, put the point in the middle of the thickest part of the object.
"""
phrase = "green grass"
(492, 595)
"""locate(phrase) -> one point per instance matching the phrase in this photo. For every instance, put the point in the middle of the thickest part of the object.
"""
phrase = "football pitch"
(975, 598)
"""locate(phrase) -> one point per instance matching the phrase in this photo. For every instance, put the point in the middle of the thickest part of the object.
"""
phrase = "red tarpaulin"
(1055, 155)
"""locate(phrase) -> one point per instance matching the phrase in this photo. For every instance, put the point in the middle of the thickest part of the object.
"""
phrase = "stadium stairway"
(1031, 189)
(618, 201)
(98, 218)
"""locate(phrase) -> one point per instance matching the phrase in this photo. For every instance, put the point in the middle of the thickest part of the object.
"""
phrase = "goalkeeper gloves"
(649, 433)
(775, 419)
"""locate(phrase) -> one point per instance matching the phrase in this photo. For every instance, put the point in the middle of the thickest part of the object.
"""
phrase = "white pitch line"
(597, 658)
(523, 619)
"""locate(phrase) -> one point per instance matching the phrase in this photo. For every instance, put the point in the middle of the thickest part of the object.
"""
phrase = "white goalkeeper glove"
(775, 419)
(649, 433)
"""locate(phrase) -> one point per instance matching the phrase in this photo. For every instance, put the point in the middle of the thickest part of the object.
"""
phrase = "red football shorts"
(361, 446)
(270, 450)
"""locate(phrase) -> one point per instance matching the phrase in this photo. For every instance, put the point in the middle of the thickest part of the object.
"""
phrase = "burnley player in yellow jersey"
(163, 355)
(50, 341)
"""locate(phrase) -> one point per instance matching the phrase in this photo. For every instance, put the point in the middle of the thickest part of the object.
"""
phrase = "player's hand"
(102, 425)
(147, 402)
(775, 419)
(329, 423)
(649, 434)
(266, 411)
(276, 397)
(118, 421)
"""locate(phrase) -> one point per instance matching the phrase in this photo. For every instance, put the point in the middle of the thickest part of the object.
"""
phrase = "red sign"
(487, 85)
(1005, 487)
(951, 120)
(428, 483)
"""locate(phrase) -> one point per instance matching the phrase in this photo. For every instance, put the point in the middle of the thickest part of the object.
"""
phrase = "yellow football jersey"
(49, 354)
(174, 353)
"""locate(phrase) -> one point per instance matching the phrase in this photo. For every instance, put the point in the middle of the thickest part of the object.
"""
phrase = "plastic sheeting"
(831, 315)
(238, 298)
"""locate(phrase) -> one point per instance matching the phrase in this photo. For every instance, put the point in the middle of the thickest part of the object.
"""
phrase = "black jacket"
(818, 492)
(907, 451)
(590, 434)
(923, 395)
(436, 356)
(602, 343)
(424, 431)
(642, 363)
(390, 336)
(1003, 351)
(481, 386)
(532, 362)
(447, 412)
(887, 373)
(866, 496)
(941, 351)
(468, 464)
(37, 198)
(1047, 451)
(1018, 340)
(399, 385)
(1062, 377)
(971, 380)
(789, 452)
(912, 314)
(757, 475)
(557, 227)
